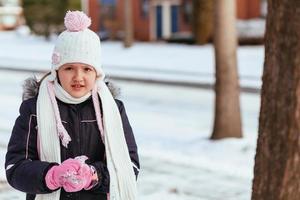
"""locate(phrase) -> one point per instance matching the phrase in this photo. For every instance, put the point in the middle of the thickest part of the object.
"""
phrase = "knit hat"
(77, 44)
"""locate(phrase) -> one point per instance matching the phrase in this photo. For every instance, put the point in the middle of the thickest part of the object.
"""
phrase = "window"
(108, 9)
(144, 8)
(187, 9)
(108, 2)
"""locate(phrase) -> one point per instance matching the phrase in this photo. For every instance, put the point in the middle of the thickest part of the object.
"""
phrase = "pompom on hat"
(77, 44)
(76, 21)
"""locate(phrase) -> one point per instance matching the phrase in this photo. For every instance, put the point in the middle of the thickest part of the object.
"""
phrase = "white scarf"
(122, 177)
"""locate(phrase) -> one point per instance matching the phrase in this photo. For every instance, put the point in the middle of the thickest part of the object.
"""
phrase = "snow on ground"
(171, 124)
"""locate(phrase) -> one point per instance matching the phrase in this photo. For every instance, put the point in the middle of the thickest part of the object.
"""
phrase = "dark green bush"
(45, 17)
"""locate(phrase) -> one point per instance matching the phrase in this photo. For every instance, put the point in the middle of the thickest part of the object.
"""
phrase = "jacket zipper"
(78, 139)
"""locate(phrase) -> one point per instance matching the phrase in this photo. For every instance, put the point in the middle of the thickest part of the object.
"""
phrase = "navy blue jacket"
(24, 170)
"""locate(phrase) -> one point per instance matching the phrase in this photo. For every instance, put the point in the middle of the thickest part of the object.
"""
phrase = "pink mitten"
(56, 176)
(87, 173)
(73, 175)
(81, 178)
(53, 178)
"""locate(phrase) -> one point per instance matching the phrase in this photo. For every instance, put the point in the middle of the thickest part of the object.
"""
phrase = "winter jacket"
(26, 172)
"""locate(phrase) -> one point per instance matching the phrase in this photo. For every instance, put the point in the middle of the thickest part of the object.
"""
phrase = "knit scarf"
(51, 132)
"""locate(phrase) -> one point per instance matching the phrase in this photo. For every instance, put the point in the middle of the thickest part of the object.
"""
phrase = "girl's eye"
(87, 69)
(68, 68)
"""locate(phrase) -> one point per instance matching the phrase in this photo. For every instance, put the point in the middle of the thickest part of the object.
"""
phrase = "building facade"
(153, 19)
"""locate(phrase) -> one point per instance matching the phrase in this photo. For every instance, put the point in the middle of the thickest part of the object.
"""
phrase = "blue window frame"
(174, 18)
(108, 2)
(159, 22)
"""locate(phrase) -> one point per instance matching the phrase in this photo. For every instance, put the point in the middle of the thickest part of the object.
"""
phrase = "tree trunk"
(128, 25)
(227, 106)
(203, 20)
(277, 161)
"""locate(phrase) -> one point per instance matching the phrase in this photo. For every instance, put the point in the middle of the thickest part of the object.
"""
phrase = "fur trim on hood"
(31, 88)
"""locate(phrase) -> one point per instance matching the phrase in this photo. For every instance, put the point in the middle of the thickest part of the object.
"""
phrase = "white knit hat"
(77, 44)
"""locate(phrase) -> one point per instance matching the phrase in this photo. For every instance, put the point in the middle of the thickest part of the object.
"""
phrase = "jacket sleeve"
(24, 170)
(102, 171)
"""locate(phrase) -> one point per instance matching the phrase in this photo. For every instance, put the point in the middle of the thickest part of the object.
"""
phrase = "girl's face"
(77, 79)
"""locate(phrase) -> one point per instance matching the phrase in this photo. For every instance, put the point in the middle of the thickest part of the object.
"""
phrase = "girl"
(72, 139)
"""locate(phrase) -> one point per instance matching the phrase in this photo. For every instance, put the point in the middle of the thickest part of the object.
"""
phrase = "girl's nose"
(78, 76)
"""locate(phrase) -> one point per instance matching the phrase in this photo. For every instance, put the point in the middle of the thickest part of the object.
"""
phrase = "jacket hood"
(31, 88)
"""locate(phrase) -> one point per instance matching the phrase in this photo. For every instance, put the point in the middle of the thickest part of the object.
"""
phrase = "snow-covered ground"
(171, 124)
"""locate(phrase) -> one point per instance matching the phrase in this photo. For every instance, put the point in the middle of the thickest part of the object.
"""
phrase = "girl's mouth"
(77, 86)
